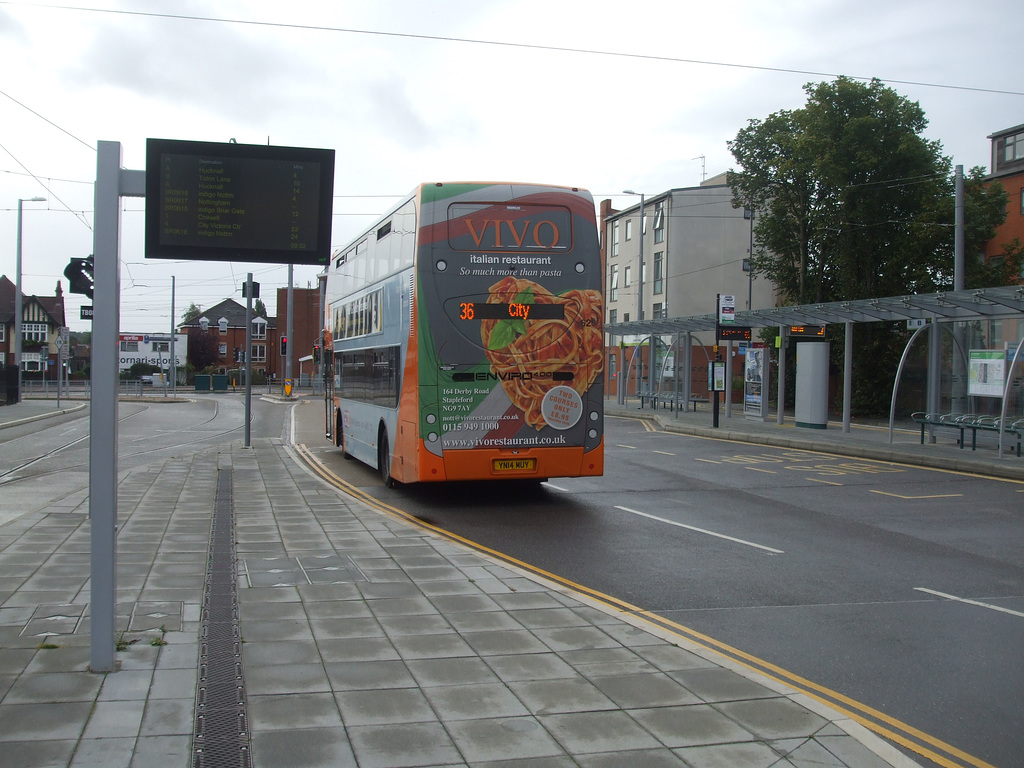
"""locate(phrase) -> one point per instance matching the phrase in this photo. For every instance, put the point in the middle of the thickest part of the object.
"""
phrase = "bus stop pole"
(847, 375)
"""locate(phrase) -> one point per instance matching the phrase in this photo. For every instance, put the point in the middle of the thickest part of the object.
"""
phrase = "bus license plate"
(514, 465)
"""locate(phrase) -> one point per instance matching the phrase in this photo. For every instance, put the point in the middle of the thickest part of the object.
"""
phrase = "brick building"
(226, 322)
(1008, 169)
(42, 318)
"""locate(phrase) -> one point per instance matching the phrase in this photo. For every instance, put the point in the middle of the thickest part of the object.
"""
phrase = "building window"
(259, 328)
(625, 277)
(259, 353)
(1013, 149)
(629, 230)
(1021, 207)
(222, 350)
(3, 333)
(659, 222)
(659, 311)
(615, 238)
(613, 316)
(129, 346)
(613, 283)
(659, 271)
(33, 332)
(161, 346)
(625, 317)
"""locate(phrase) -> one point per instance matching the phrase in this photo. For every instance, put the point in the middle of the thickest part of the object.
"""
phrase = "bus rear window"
(509, 227)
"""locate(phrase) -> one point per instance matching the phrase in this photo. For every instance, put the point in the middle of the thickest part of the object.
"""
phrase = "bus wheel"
(341, 444)
(339, 437)
(384, 460)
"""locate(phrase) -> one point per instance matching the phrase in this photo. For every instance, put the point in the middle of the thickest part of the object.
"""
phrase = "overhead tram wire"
(507, 44)
(49, 191)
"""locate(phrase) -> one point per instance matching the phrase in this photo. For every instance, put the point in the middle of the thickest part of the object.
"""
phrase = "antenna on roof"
(703, 167)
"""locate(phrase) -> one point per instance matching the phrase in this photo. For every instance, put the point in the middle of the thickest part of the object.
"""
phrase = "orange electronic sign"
(807, 331)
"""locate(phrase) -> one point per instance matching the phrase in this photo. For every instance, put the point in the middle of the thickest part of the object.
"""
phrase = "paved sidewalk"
(365, 642)
(30, 411)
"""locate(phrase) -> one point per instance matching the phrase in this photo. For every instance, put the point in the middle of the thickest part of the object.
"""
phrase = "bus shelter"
(933, 312)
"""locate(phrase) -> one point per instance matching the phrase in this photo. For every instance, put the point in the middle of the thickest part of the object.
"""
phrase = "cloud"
(11, 28)
(218, 69)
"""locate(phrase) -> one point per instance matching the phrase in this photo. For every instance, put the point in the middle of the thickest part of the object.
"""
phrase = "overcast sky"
(603, 95)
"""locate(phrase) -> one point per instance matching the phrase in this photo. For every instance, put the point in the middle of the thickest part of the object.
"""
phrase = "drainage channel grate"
(222, 726)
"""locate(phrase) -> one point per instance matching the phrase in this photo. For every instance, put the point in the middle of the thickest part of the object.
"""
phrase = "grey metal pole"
(248, 356)
(934, 388)
(847, 376)
(959, 373)
(17, 304)
(780, 417)
(958, 229)
(17, 292)
(291, 342)
(112, 183)
(728, 379)
(687, 369)
(174, 363)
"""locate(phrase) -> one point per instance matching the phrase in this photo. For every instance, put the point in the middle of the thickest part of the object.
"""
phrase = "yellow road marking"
(706, 461)
(867, 716)
(935, 496)
(664, 453)
(766, 471)
(825, 482)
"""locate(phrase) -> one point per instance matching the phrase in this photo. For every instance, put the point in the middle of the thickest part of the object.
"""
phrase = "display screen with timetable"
(238, 202)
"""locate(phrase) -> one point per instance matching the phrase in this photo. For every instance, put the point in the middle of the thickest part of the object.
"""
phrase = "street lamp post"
(17, 291)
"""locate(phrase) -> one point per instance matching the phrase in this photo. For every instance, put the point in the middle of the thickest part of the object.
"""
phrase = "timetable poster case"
(755, 384)
(987, 372)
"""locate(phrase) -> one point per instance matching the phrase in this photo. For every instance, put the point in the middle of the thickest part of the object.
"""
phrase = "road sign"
(726, 309)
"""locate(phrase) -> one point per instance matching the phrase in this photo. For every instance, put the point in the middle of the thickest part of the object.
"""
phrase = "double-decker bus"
(464, 336)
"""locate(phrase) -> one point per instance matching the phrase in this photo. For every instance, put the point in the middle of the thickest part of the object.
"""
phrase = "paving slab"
(364, 641)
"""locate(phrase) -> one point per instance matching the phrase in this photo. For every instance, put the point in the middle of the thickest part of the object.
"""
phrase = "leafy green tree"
(847, 193)
(852, 203)
(259, 309)
(191, 312)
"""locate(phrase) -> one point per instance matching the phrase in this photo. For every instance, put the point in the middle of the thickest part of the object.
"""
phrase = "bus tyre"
(339, 437)
(384, 460)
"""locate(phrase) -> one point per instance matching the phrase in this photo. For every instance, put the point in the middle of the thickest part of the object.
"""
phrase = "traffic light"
(236, 355)
(79, 275)
(284, 346)
(316, 354)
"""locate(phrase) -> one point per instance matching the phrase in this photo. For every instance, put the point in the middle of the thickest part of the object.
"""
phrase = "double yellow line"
(907, 736)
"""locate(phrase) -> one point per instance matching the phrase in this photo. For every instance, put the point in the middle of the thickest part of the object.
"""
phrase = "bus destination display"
(238, 202)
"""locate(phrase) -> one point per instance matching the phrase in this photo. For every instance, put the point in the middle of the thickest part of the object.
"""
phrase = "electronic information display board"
(238, 202)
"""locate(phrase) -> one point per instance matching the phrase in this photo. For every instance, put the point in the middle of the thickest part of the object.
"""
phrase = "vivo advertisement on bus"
(510, 326)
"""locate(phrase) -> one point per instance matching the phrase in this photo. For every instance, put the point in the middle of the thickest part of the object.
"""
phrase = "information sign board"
(733, 332)
(806, 331)
(987, 373)
(238, 202)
